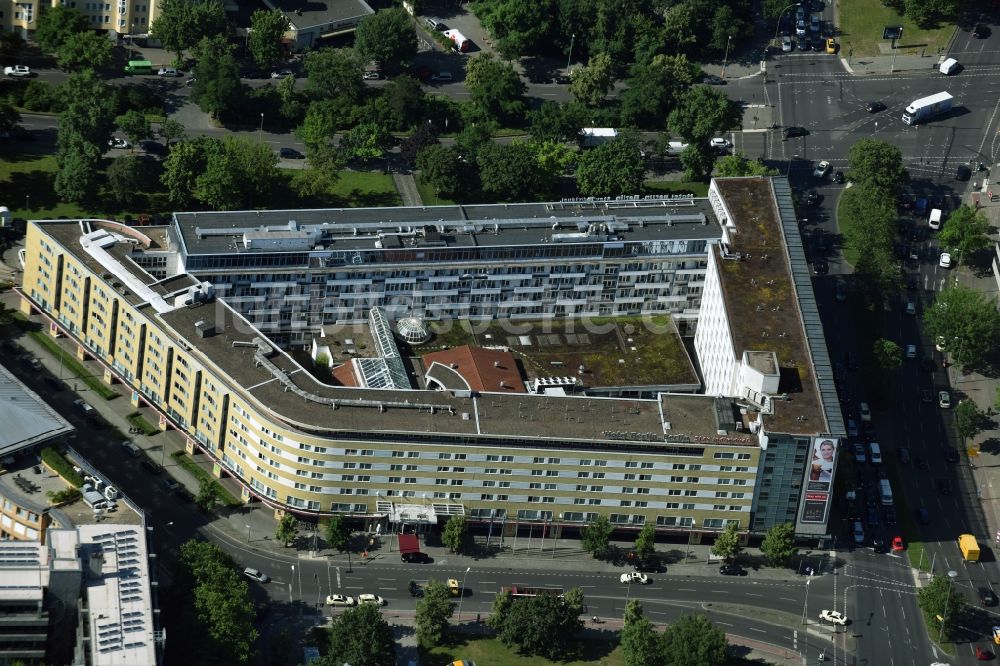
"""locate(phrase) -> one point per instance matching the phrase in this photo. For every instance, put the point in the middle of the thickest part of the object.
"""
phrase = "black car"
(951, 455)
(151, 466)
(712, 80)
(944, 486)
(874, 106)
(962, 172)
(732, 570)
(649, 566)
(878, 545)
(987, 597)
(924, 516)
(981, 31)
(921, 463)
(789, 132)
(817, 43)
(820, 267)
(928, 364)
(872, 517)
(290, 154)
(153, 147)
(890, 516)
(416, 558)
(838, 177)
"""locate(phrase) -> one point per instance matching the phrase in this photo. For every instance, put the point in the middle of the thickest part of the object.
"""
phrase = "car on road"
(720, 144)
(713, 80)
(151, 467)
(154, 147)
(84, 407)
(874, 106)
(17, 70)
(939, 343)
(256, 574)
(923, 515)
(290, 154)
(800, 28)
(926, 395)
(634, 577)
(911, 351)
(649, 566)
(732, 570)
(987, 597)
(339, 600)
(170, 485)
(833, 616)
(872, 517)
(118, 142)
(897, 544)
(945, 260)
(168, 71)
(787, 45)
(864, 411)
(191, 81)
(951, 454)
(944, 486)
(980, 31)
(911, 308)
(815, 23)
(132, 449)
(831, 45)
(371, 76)
(983, 654)
(838, 177)
(820, 267)
(821, 169)
(812, 199)
(32, 362)
(789, 132)
(442, 77)
(282, 73)
(416, 558)
(890, 515)
(962, 172)
(852, 427)
(372, 599)
(920, 462)
(858, 532)
(944, 399)
(904, 454)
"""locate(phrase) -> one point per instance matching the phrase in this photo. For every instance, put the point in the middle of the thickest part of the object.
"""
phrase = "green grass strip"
(69, 361)
(61, 466)
(185, 461)
(137, 420)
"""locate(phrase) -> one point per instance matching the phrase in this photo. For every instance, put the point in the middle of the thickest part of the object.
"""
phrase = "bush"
(140, 98)
(41, 96)
(61, 466)
(67, 496)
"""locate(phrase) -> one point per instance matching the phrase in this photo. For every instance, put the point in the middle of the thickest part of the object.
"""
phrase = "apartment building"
(124, 17)
(190, 317)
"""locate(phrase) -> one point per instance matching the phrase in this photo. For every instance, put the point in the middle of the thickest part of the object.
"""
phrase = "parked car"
(923, 515)
(634, 577)
(904, 454)
(170, 485)
(132, 449)
(168, 72)
(890, 515)
(282, 73)
(339, 600)
(151, 467)
(154, 147)
(373, 599)
(732, 570)
(858, 533)
(371, 76)
(787, 44)
(442, 77)
(17, 70)
(720, 144)
(951, 454)
(911, 351)
(864, 411)
(987, 597)
(256, 574)
(945, 260)
(944, 399)
(290, 154)
(84, 407)
(416, 558)
(118, 142)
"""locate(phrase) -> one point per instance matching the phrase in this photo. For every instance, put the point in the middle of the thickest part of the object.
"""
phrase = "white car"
(865, 411)
(442, 76)
(634, 577)
(17, 70)
(371, 76)
(256, 574)
(939, 343)
(786, 44)
(911, 351)
(720, 144)
(167, 71)
(117, 142)
(944, 400)
(373, 599)
(339, 600)
(281, 73)
(822, 169)
(945, 260)
(833, 616)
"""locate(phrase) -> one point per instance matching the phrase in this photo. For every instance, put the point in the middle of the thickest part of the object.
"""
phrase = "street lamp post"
(725, 60)
(952, 575)
(248, 532)
(569, 60)
(260, 130)
(462, 591)
(805, 606)
(319, 589)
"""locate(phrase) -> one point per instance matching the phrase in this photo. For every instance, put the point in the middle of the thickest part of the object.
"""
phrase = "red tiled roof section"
(486, 370)
(344, 375)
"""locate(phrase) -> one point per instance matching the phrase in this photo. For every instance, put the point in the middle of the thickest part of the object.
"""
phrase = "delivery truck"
(462, 43)
(925, 108)
(591, 137)
(969, 547)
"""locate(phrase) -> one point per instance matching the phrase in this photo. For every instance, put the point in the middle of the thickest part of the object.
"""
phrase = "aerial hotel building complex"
(207, 320)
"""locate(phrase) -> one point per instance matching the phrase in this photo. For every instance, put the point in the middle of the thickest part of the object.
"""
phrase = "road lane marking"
(756, 629)
(751, 594)
(786, 599)
(686, 589)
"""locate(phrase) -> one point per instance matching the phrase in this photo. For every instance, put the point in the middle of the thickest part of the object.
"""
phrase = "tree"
(267, 27)
(433, 611)
(737, 164)
(182, 24)
(319, 124)
(365, 142)
(693, 640)
(217, 88)
(84, 50)
(440, 168)
(590, 84)
(57, 24)
(517, 26)
(680, 28)
(554, 159)
(510, 171)
(868, 220)
(642, 645)
(938, 600)
(404, 99)
(89, 115)
(9, 117)
(698, 158)
(887, 354)
(128, 177)
(181, 169)
(778, 545)
(727, 543)
(455, 534)
(495, 87)
(541, 625)
(968, 322)
(645, 542)
(361, 637)
(237, 170)
(135, 126)
(474, 138)
(616, 167)
(655, 88)
(171, 130)
(499, 611)
(878, 164)
(76, 178)
(387, 37)
(596, 535)
(423, 137)
(338, 534)
(969, 421)
(553, 121)
(703, 113)
(334, 73)
(965, 232)
(633, 611)
(208, 495)
(288, 529)
(326, 163)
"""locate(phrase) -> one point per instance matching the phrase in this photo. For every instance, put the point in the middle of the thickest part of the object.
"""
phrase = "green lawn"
(491, 652)
(675, 187)
(430, 197)
(861, 23)
(225, 497)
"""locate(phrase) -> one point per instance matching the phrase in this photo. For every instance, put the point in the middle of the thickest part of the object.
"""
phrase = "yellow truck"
(969, 547)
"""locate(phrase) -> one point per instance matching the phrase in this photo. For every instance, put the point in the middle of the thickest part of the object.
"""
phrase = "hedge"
(61, 466)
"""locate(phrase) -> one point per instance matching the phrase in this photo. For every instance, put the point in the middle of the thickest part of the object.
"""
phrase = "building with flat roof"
(309, 22)
(192, 315)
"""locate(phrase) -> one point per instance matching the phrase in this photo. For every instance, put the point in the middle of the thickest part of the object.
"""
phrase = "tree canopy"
(517, 26)
(495, 87)
(455, 534)
(737, 164)
(878, 164)
(181, 24)
(267, 27)
(590, 84)
(440, 168)
(778, 545)
(84, 50)
(654, 90)
(360, 636)
(57, 24)
(543, 625)
(217, 89)
(645, 541)
(433, 611)
(386, 37)
(968, 322)
(969, 420)
(337, 532)
(334, 73)
(727, 543)
(694, 641)
(937, 599)
(287, 529)
(703, 113)
(964, 233)
(616, 167)
(509, 171)
(596, 535)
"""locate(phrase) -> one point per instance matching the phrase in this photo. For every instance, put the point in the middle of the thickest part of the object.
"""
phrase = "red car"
(983, 655)
(897, 544)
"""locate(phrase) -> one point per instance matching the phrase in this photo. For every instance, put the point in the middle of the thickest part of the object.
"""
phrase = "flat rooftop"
(304, 15)
(27, 419)
(762, 299)
(406, 228)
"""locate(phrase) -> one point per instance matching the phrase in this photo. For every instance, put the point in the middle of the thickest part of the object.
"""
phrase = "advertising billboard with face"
(818, 484)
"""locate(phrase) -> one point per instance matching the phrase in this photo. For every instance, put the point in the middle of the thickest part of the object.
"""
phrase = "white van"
(876, 452)
(885, 492)
(949, 66)
(934, 222)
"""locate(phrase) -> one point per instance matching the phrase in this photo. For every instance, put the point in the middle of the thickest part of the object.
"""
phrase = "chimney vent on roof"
(204, 329)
